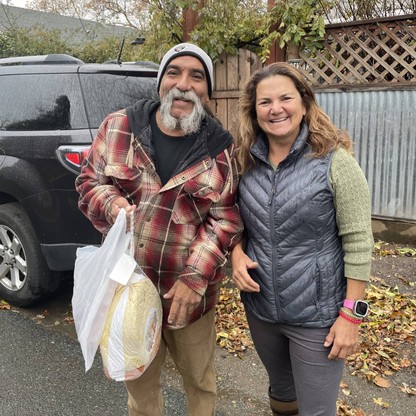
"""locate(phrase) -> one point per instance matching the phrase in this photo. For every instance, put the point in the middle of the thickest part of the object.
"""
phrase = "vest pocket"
(320, 308)
(327, 289)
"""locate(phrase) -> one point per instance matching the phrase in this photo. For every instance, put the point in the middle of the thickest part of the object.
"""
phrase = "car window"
(105, 93)
(41, 102)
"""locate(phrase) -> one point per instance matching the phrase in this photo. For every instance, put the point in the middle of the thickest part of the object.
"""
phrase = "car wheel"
(24, 275)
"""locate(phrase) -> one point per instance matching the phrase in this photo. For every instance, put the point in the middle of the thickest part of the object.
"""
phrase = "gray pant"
(298, 366)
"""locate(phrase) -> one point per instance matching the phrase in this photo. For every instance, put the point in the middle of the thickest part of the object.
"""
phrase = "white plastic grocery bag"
(132, 333)
(93, 289)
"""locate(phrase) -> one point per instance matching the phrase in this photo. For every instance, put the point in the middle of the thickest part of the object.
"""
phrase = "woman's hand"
(343, 336)
(240, 264)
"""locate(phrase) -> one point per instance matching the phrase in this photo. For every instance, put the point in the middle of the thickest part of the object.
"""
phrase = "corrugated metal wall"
(382, 125)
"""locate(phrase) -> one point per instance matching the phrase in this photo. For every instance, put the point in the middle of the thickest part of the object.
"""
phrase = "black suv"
(50, 109)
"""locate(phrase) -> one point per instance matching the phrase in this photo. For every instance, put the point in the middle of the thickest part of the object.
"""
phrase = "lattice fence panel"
(377, 53)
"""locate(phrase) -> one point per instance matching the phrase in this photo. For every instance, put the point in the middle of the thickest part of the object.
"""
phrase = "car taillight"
(76, 157)
(72, 156)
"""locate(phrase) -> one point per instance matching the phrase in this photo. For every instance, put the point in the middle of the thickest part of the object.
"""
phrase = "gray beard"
(188, 124)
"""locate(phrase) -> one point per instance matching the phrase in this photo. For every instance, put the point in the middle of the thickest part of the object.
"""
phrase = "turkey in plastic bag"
(132, 333)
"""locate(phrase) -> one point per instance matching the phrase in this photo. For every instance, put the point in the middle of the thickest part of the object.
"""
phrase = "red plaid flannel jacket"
(183, 230)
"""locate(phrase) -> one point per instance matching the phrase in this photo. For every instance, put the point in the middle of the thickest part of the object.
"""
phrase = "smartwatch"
(359, 307)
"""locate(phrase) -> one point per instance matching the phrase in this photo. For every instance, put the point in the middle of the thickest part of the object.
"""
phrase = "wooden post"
(277, 54)
(190, 20)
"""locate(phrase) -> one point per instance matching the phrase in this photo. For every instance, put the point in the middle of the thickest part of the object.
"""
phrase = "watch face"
(361, 308)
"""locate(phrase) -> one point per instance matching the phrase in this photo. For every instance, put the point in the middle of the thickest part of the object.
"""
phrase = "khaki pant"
(192, 349)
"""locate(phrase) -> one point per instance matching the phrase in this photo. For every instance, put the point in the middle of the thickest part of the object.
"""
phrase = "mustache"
(176, 94)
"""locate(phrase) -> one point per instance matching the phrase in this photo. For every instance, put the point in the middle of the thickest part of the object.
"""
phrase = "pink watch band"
(349, 304)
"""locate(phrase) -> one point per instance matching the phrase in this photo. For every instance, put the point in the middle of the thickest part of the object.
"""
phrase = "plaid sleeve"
(96, 189)
(220, 232)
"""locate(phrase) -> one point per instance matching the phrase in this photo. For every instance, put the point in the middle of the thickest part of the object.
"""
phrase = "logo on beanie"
(179, 48)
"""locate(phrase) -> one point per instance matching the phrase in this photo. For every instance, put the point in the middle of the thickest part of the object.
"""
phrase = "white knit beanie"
(191, 50)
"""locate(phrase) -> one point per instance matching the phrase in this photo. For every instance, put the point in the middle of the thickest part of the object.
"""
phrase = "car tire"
(24, 275)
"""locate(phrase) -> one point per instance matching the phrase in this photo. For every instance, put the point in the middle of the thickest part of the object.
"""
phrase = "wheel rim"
(13, 269)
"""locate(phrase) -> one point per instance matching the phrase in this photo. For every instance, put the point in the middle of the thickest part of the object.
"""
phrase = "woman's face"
(279, 108)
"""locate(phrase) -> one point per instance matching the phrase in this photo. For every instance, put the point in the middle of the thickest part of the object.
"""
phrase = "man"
(173, 166)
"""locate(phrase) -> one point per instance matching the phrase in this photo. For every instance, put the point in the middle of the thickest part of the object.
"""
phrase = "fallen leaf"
(343, 409)
(4, 305)
(407, 389)
(381, 382)
(405, 362)
(346, 392)
(381, 402)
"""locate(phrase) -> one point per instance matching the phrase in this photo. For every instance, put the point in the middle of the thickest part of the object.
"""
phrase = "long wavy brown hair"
(323, 137)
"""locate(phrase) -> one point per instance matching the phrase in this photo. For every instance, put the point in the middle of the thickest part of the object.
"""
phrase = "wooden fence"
(231, 73)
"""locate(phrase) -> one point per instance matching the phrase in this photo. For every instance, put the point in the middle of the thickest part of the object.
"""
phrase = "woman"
(305, 261)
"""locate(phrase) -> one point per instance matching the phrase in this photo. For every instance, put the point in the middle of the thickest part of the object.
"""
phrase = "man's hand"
(343, 336)
(184, 302)
(117, 204)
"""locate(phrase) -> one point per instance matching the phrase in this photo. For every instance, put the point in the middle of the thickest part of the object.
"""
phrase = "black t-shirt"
(169, 150)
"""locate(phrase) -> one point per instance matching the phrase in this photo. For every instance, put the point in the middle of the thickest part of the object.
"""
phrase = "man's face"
(185, 73)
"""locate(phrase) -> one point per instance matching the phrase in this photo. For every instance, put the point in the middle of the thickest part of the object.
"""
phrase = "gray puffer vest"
(292, 233)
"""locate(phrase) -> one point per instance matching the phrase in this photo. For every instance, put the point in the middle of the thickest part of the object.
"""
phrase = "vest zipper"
(273, 241)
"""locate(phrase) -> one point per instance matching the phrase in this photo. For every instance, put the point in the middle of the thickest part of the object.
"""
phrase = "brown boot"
(280, 408)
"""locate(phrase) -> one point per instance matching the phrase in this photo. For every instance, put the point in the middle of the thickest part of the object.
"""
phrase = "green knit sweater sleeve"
(353, 214)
